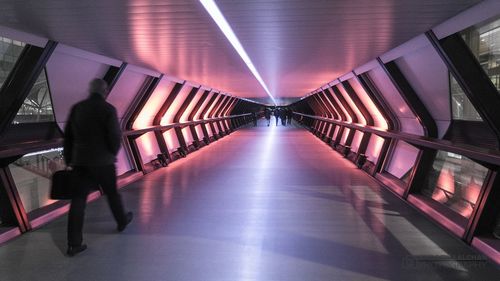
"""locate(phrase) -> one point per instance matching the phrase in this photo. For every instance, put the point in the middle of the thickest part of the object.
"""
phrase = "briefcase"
(63, 184)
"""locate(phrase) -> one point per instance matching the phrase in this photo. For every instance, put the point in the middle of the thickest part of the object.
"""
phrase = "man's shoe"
(128, 216)
(73, 250)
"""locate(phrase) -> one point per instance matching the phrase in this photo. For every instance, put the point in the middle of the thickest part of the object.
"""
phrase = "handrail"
(139, 132)
(33, 146)
(480, 154)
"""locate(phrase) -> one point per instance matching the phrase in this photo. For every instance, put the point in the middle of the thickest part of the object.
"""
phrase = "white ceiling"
(296, 45)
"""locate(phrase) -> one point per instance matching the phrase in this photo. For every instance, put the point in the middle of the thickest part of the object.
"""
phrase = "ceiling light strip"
(219, 19)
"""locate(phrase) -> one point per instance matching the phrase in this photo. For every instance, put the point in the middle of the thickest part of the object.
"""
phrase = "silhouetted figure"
(254, 117)
(277, 114)
(91, 142)
(267, 115)
(283, 117)
(289, 115)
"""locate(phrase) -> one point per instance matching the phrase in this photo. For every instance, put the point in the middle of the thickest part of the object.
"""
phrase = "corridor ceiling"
(296, 45)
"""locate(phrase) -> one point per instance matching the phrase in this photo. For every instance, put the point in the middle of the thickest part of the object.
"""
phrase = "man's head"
(98, 86)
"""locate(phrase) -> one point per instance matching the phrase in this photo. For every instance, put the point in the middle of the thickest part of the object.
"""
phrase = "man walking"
(91, 142)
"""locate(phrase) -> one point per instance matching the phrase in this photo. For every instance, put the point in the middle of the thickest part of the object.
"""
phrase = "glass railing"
(455, 181)
(32, 174)
(461, 107)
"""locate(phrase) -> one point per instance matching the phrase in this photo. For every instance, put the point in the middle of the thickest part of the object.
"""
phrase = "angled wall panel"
(125, 90)
(198, 116)
(339, 107)
(358, 136)
(403, 159)
(428, 76)
(148, 147)
(378, 118)
(170, 135)
(69, 76)
(359, 116)
(147, 143)
(374, 147)
(153, 105)
(409, 123)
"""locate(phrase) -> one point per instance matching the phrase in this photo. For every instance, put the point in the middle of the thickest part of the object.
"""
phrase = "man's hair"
(98, 86)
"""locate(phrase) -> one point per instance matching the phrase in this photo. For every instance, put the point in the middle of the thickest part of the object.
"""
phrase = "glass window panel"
(32, 175)
(484, 41)
(402, 161)
(9, 53)
(455, 181)
(461, 107)
(37, 107)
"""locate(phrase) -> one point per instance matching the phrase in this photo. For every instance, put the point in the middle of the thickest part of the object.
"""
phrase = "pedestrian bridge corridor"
(265, 203)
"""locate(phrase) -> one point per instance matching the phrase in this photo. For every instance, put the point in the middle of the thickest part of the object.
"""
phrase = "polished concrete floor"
(265, 203)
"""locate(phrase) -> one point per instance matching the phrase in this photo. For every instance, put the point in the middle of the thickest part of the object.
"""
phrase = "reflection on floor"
(266, 203)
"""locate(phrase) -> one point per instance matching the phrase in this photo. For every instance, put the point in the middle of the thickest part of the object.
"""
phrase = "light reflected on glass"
(461, 106)
(484, 41)
(32, 174)
(455, 181)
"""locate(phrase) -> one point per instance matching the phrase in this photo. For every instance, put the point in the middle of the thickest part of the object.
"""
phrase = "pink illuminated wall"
(198, 128)
(171, 140)
(330, 128)
(361, 118)
(348, 117)
(168, 118)
(337, 129)
(186, 132)
(374, 147)
(325, 98)
(154, 103)
(223, 113)
(191, 106)
(170, 135)
(358, 136)
(188, 137)
(211, 107)
(344, 136)
(378, 118)
(148, 147)
(408, 121)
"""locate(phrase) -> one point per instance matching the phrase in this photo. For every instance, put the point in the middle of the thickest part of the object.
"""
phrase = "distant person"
(267, 115)
(289, 115)
(283, 117)
(91, 142)
(254, 118)
(277, 115)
